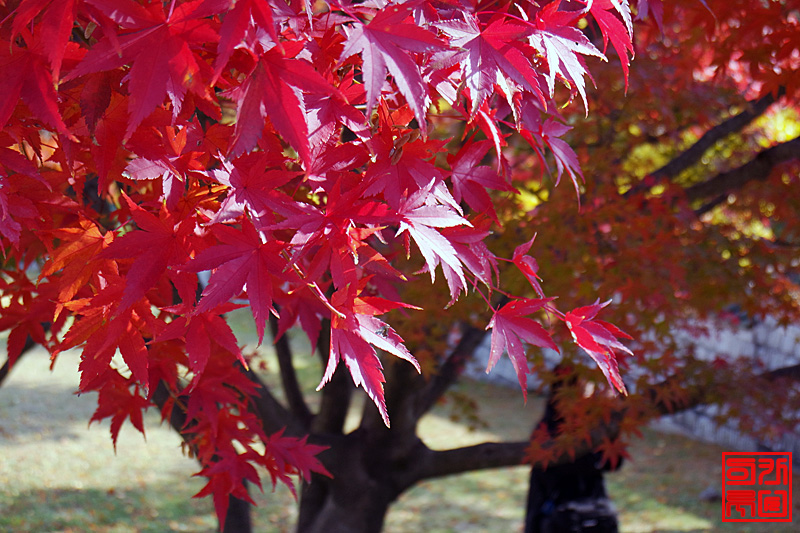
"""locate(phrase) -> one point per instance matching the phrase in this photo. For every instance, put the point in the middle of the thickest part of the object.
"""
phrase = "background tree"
(143, 144)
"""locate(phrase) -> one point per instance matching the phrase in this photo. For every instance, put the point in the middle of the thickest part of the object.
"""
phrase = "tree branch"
(759, 168)
(451, 369)
(695, 152)
(499, 454)
(702, 388)
(789, 372)
(291, 387)
(274, 416)
(469, 458)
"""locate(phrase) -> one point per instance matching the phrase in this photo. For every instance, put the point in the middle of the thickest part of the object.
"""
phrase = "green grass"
(57, 475)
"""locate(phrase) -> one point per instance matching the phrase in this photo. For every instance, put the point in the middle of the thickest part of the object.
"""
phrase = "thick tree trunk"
(357, 498)
(330, 507)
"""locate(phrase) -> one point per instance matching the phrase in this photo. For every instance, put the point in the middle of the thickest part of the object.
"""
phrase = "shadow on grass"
(154, 508)
(50, 411)
(492, 500)
(150, 509)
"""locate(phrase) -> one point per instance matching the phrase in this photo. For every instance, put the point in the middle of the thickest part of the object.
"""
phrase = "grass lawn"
(57, 475)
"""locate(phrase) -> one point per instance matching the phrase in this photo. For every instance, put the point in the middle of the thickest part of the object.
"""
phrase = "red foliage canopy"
(300, 153)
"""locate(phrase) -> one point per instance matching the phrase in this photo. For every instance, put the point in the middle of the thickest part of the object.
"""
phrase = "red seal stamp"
(756, 487)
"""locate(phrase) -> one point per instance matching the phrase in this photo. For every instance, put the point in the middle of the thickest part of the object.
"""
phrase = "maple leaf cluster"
(297, 154)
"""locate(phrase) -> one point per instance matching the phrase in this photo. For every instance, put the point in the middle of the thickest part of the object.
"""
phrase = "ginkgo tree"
(164, 163)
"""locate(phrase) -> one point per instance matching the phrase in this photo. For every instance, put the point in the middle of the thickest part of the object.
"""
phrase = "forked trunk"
(327, 506)
(371, 467)
(357, 498)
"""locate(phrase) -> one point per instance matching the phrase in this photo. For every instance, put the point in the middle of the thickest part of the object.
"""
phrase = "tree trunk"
(328, 507)
(237, 519)
(357, 498)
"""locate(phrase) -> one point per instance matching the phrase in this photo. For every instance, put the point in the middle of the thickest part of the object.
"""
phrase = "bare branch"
(499, 454)
(4, 370)
(759, 168)
(789, 372)
(695, 152)
(451, 369)
(702, 389)
(469, 458)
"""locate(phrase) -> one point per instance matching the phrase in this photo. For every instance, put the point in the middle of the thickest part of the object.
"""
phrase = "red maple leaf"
(471, 179)
(24, 76)
(174, 161)
(157, 245)
(468, 242)
(599, 340)
(612, 29)
(253, 186)
(540, 134)
(565, 156)
(22, 314)
(244, 258)
(325, 113)
(56, 23)
(199, 331)
(121, 332)
(13, 207)
(75, 257)
(226, 476)
(419, 220)
(403, 166)
(118, 401)
(287, 455)
(386, 45)
(274, 78)
(238, 20)
(354, 332)
(528, 265)
(613, 451)
(510, 327)
(492, 55)
(159, 48)
(655, 8)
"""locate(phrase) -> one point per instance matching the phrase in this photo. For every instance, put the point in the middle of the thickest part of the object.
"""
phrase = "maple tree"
(320, 161)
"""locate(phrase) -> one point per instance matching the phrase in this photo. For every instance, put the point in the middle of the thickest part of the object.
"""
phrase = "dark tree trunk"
(355, 502)
(237, 519)
(367, 478)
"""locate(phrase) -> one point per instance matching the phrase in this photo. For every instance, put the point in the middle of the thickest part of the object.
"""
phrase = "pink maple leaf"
(420, 220)
(386, 45)
(492, 55)
(560, 44)
(599, 340)
(355, 333)
(510, 328)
